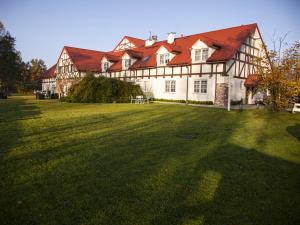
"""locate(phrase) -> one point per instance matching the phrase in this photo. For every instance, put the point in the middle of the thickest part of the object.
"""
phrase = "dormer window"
(204, 54)
(197, 54)
(201, 54)
(127, 63)
(105, 66)
(164, 58)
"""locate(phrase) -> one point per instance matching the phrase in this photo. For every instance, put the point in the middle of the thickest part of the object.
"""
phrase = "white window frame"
(170, 86)
(204, 56)
(197, 86)
(201, 55)
(197, 56)
(200, 88)
(127, 63)
(164, 58)
(105, 66)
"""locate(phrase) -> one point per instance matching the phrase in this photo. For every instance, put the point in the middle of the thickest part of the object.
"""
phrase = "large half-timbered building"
(202, 67)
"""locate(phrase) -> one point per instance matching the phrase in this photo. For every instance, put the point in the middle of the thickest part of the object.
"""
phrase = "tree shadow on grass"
(294, 130)
(12, 111)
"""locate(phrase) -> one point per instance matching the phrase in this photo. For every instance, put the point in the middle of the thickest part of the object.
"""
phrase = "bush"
(107, 90)
(184, 101)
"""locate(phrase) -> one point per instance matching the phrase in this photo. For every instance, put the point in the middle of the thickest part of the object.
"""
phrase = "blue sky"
(43, 27)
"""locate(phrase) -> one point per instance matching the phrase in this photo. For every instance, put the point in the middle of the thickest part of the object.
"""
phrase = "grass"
(67, 163)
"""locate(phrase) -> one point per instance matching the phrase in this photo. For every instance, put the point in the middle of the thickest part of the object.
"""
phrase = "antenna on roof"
(150, 37)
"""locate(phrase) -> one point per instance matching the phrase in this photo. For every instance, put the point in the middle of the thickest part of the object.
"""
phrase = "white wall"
(157, 87)
(49, 84)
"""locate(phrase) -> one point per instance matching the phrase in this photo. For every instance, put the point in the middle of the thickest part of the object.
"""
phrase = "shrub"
(101, 89)
(184, 101)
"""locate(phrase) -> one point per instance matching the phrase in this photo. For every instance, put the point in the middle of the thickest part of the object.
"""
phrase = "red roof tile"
(226, 42)
(50, 73)
(251, 80)
(136, 41)
(85, 59)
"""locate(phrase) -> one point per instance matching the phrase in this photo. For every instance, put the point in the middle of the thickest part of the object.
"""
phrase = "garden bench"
(296, 108)
(138, 99)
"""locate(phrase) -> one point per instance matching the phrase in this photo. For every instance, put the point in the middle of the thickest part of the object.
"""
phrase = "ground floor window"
(200, 86)
(170, 86)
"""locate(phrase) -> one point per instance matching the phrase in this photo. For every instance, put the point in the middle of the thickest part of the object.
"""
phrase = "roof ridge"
(228, 28)
(84, 49)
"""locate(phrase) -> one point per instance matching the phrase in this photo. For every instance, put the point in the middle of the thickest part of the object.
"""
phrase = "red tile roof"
(85, 59)
(225, 41)
(136, 41)
(251, 80)
(50, 73)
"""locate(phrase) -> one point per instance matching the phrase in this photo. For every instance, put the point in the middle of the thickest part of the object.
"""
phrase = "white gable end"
(200, 45)
(124, 44)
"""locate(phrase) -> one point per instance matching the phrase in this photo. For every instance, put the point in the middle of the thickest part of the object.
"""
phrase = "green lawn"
(64, 163)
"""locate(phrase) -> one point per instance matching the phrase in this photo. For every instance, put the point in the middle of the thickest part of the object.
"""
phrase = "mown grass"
(66, 163)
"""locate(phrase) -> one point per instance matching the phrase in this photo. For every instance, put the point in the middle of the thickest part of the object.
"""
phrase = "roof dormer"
(163, 56)
(200, 52)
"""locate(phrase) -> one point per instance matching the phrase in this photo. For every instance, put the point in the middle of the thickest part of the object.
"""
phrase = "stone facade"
(221, 97)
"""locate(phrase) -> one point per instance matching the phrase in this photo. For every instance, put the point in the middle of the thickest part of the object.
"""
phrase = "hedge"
(101, 90)
(184, 101)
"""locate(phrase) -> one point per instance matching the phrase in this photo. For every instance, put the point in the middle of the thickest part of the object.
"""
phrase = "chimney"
(152, 39)
(171, 37)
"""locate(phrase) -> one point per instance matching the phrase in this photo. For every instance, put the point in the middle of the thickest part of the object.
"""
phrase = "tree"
(37, 68)
(279, 73)
(10, 61)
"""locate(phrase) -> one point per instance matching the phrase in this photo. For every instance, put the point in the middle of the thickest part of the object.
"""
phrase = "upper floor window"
(197, 54)
(127, 63)
(204, 54)
(105, 66)
(66, 69)
(164, 58)
(170, 86)
(201, 54)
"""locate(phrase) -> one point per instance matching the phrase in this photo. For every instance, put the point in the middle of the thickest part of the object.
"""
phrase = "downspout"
(229, 92)
(187, 85)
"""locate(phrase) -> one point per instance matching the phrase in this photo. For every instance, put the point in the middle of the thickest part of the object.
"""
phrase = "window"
(164, 58)
(196, 86)
(170, 86)
(72, 69)
(204, 54)
(197, 54)
(200, 86)
(201, 54)
(204, 86)
(127, 63)
(173, 86)
(105, 66)
(161, 59)
(66, 69)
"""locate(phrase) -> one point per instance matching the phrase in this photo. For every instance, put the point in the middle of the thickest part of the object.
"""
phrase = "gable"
(124, 44)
